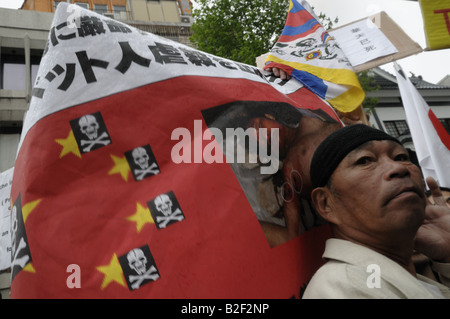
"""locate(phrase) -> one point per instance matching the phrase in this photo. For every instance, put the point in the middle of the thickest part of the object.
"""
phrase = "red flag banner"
(136, 176)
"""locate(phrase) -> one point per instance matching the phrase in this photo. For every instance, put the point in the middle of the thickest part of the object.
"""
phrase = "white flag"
(431, 140)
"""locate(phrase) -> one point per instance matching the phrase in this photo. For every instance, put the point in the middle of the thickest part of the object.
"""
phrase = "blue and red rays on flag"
(310, 55)
(299, 23)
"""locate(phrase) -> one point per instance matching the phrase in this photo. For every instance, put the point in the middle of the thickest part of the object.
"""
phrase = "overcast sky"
(432, 65)
(11, 4)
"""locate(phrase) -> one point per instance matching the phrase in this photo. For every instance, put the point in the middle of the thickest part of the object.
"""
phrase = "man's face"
(377, 190)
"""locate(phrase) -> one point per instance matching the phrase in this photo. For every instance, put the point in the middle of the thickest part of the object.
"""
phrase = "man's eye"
(402, 157)
(363, 160)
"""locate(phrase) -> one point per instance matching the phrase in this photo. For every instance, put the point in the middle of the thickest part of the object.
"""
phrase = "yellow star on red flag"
(69, 145)
(112, 272)
(141, 217)
(28, 208)
(26, 211)
(120, 167)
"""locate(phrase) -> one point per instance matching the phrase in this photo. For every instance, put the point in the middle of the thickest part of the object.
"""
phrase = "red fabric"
(218, 251)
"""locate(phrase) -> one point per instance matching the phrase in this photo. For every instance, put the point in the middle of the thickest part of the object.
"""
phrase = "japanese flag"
(431, 140)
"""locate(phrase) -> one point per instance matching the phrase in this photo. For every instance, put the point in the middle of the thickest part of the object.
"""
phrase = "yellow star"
(141, 217)
(112, 272)
(69, 145)
(29, 268)
(120, 167)
(28, 208)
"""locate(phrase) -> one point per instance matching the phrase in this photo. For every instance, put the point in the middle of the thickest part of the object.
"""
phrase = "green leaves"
(240, 30)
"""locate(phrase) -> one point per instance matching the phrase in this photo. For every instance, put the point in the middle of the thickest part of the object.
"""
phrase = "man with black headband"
(374, 198)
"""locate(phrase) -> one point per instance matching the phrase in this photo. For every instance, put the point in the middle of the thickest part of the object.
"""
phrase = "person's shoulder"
(328, 281)
(338, 280)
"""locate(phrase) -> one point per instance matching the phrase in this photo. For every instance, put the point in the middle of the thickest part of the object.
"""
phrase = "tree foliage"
(240, 30)
(326, 21)
(369, 84)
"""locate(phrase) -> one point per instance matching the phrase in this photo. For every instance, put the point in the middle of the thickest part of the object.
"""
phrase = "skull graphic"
(137, 261)
(140, 157)
(164, 204)
(89, 126)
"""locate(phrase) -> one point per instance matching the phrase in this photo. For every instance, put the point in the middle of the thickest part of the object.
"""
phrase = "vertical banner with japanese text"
(436, 18)
(124, 169)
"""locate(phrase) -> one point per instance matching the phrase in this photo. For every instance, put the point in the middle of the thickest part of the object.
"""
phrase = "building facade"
(23, 36)
(168, 18)
(389, 114)
(132, 10)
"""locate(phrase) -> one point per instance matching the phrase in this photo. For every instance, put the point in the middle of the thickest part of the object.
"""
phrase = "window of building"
(396, 128)
(13, 68)
(83, 5)
(118, 9)
(13, 76)
(101, 8)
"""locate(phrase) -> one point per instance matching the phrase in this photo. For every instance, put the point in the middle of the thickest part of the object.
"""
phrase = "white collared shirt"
(349, 270)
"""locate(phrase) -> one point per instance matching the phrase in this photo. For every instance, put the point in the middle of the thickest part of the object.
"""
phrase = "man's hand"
(433, 237)
(279, 73)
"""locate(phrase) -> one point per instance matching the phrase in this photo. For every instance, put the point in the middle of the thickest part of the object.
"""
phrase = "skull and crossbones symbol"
(164, 205)
(141, 158)
(22, 261)
(90, 127)
(138, 262)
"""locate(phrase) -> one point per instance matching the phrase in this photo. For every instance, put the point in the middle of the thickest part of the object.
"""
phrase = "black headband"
(337, 145)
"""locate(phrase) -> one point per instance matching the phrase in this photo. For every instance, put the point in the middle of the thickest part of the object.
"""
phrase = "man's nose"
(395, 169)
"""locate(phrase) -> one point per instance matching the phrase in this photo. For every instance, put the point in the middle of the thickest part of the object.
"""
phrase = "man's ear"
(323, 201)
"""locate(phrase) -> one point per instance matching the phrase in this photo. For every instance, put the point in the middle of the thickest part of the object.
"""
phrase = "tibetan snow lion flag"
(149, 169)
(309, 54)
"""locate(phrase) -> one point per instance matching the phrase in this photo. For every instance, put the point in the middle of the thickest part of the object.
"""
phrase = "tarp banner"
(136, 176)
